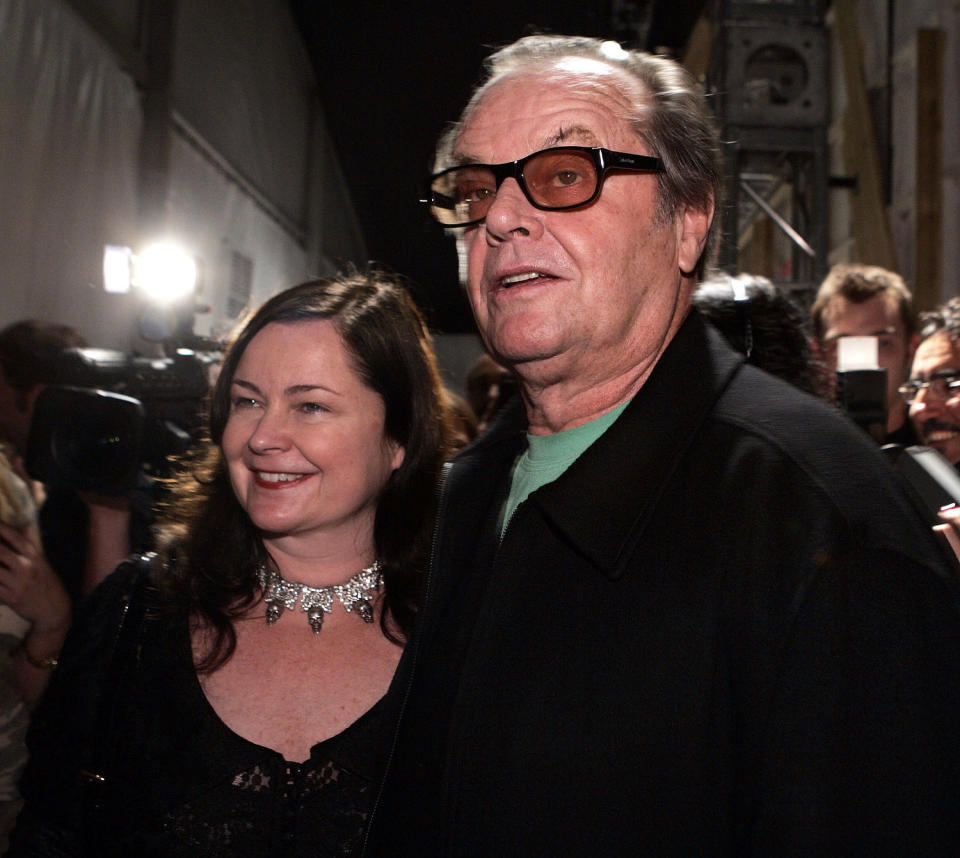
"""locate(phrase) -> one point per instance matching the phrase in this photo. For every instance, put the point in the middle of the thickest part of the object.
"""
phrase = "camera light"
(165, 272)
(116, 268)
(857, 353)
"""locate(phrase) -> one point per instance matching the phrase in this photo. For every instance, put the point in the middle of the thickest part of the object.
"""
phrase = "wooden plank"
(928, 222)
(696, 58)
(871, 226)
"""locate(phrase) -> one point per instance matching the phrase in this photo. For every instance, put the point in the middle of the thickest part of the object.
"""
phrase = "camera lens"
(94, 449)
(89, 440)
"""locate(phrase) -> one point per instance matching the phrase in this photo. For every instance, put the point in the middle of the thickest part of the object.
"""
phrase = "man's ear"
(693, 228)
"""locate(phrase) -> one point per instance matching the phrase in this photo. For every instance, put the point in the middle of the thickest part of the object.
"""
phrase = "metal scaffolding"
(769, 79)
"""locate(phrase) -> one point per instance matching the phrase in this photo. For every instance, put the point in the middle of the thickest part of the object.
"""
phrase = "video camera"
(114, 417)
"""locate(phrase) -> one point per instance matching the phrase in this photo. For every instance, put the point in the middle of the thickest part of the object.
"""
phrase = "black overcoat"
(721, 632)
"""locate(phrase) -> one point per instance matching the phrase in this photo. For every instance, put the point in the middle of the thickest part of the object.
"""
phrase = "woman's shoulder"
(63, 734)
(93, 646)
(136, 571)
(102, 612)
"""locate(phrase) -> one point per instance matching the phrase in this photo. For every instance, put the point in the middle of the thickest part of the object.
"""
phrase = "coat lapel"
(604, 500)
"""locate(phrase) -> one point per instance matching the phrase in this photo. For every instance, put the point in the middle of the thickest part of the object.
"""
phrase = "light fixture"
(116, 268)
(165, 272)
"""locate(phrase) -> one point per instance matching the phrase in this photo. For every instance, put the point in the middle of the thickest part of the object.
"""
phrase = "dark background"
(392, 74)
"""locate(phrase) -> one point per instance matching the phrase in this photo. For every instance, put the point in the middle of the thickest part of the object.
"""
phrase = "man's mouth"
(936, 431)
(523, 277)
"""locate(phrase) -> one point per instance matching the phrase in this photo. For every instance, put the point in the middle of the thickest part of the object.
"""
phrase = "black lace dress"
(175, 779)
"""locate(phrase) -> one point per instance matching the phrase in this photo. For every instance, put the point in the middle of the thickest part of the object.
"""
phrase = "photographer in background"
(83, 537)
(933, 390)
(34, 619)
(869, 301)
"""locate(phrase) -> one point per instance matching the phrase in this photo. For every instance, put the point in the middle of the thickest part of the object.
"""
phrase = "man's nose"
(511, 213)
(926, 403)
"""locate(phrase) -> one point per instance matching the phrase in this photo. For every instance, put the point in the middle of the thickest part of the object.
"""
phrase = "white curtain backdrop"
(214, 218)
(69, 134)
(257, 184)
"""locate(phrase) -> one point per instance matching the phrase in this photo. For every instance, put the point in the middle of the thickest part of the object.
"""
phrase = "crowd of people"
(642, 589)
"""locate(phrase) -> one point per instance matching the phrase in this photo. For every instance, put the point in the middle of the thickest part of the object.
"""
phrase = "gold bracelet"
(48, 663)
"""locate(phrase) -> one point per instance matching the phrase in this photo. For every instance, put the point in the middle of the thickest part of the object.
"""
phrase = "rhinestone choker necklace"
(356, 595)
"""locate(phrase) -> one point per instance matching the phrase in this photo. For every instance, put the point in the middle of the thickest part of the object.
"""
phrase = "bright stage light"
(165, 272)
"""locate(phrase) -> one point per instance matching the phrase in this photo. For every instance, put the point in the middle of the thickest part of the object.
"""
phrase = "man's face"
(936, 416)
(876, 317)
(584, 295)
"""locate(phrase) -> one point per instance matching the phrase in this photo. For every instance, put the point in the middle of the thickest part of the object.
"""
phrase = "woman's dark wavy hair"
(765, 325)
(210, 550)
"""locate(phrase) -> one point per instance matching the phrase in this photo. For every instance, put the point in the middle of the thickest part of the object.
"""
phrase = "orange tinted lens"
(561, 177)
(466, 194)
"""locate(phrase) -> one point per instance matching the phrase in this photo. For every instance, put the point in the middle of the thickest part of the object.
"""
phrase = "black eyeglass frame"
(604, 160)
(911, 388)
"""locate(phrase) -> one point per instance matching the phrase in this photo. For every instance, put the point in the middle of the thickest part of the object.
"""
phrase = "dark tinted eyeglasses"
(557, 179)
(943, 384)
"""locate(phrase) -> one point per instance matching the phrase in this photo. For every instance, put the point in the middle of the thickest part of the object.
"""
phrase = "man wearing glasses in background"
(933, 390)
(675, 607)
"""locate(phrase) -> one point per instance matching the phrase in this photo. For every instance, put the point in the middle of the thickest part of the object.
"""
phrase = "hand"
(950, 529)
(29, 585)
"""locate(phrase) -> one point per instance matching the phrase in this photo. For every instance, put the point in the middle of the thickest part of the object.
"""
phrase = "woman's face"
(304, 441)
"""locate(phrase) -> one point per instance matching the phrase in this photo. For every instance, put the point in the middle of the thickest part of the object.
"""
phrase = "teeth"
(520, 278)
(278, 478)
(940, 436)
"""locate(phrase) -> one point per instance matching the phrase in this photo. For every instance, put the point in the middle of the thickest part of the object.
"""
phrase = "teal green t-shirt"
(548, 456)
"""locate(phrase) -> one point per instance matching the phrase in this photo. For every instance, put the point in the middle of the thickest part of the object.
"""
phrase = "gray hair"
(945, 319)
(676, 123)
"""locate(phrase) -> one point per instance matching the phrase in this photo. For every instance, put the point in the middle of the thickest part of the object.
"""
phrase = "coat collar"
(603, 502)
